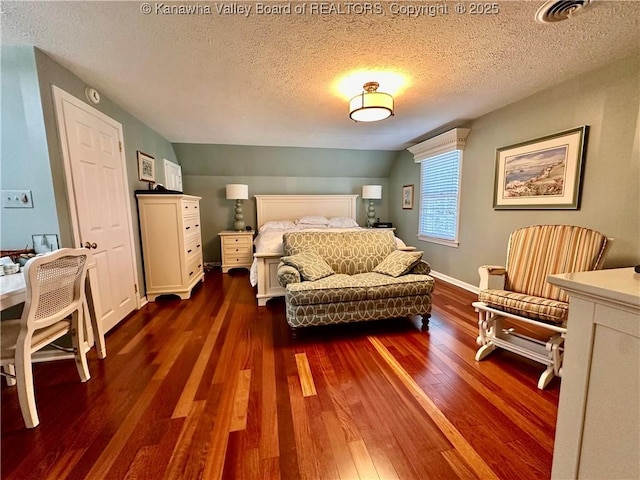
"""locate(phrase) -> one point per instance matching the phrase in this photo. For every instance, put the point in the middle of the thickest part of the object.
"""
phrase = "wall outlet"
(17, 199)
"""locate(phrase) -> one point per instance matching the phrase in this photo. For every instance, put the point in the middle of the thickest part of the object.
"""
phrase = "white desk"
(12, 288)
(13, 292)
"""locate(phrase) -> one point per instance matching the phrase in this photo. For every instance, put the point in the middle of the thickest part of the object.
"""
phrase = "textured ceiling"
(263, 79)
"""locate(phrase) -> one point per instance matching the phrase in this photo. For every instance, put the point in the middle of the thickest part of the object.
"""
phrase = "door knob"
(90, 245)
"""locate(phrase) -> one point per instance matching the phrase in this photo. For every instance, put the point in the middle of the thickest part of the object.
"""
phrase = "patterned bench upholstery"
(533, 254)
(341, 285)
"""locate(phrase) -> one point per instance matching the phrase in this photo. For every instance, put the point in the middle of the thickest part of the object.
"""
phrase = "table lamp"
(371, 193)
(238, 192)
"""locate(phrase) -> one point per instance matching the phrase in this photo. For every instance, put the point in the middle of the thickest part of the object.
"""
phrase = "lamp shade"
(372, 192)
(237, 191)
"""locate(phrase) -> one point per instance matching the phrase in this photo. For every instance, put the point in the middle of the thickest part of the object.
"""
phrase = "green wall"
(137, 136)
(24, 158)
(608, 100)
(206, 169)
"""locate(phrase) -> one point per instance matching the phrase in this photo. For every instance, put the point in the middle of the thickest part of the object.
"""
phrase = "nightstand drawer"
(239, 240)
(238, 250)
(238, 260)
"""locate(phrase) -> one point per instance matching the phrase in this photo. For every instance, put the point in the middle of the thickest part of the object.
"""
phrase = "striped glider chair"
(527, 300)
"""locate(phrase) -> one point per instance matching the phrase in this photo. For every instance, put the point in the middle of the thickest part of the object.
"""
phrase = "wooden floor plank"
(304, 372)
(241, 402)
(216, 387)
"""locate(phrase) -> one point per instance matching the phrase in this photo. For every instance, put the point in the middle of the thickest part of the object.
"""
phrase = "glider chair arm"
(485, 271)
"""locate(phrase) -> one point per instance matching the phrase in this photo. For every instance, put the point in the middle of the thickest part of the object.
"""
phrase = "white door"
(172, 176)
(99, 202)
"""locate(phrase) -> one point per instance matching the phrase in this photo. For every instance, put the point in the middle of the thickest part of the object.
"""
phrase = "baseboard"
(455, 281)
(143, 301)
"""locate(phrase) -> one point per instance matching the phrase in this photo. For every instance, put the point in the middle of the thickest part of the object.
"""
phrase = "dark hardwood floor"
(217, 387)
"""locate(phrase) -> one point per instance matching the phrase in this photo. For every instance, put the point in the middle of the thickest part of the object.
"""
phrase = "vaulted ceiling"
(223, 76)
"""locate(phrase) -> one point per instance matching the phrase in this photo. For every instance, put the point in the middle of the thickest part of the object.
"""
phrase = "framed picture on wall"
(146, 167)
(541, 174)
(407, 197)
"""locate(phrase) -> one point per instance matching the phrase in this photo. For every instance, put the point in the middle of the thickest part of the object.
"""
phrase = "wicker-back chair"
(54, 306)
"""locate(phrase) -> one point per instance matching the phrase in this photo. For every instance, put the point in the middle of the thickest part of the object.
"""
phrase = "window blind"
(439, 196)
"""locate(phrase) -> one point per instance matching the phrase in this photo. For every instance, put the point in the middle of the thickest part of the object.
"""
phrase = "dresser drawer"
(194, 267)
(191, 225)
(193, 245)
(190, 208)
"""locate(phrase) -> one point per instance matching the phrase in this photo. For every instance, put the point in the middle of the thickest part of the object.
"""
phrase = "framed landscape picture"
(544, 173)
(407, 197)
(146, 167)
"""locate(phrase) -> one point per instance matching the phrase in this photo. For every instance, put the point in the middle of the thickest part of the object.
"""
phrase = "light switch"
(17, 199)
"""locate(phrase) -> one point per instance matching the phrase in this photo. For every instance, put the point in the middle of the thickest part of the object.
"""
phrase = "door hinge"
(135, 287)
(120, 146)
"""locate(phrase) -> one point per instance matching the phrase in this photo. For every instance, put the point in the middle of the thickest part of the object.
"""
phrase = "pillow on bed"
(310, 265)
(277, 225)
(342, 222)
(312, 220)
(398, 263)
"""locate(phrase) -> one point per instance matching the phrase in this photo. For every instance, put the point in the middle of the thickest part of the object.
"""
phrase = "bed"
(274, 211)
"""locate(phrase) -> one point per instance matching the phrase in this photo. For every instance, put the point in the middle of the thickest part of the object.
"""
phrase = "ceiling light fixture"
(370, 105)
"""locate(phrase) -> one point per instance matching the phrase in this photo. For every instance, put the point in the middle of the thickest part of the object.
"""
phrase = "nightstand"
(236, 249)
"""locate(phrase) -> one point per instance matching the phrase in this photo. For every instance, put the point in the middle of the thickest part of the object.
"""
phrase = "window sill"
(439, 241)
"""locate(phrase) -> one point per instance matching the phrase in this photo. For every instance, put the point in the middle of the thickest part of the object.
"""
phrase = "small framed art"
(407, 197)
(146, 167)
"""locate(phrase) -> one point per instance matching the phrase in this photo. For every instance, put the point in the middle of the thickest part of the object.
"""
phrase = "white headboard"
(290, 207)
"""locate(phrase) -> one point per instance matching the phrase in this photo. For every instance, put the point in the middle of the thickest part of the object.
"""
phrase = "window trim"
(447, 142)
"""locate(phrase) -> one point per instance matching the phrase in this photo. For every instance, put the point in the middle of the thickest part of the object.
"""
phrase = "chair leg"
(24, 380)
(554, 346)
(487, 325)
(546, 377)
(77, 337)
(484, 351)
(484, 327)
(91, 318)
(10, 369)
(425, 321)
(556, 354)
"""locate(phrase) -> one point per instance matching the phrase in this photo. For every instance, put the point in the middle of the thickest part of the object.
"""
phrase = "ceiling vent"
(557, 10)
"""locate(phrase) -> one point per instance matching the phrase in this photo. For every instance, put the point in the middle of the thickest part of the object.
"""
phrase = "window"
(440, 161)
(439, 198)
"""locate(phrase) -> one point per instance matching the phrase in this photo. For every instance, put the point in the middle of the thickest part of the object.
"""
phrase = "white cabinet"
(236, 249)
(171, 243)
(598, 429)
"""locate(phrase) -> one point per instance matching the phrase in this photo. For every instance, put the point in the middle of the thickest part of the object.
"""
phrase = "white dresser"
(236, 249)
(598, 429)
(171, 243)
